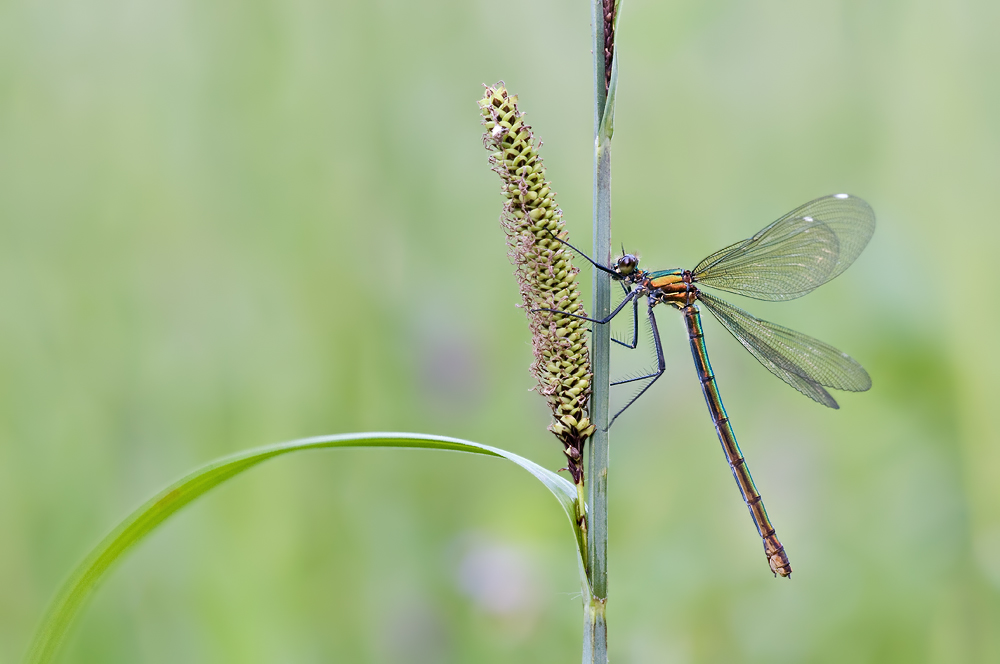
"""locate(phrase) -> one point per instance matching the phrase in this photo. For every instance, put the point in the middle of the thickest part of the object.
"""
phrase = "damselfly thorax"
(675, 287)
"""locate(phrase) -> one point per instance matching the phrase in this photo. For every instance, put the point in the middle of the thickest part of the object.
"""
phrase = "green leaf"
(85, 579)
(607, 128)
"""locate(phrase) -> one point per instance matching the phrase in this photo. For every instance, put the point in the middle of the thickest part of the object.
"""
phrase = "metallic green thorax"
(665, 273)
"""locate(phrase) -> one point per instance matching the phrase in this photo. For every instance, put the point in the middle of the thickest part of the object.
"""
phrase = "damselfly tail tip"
(777, 559)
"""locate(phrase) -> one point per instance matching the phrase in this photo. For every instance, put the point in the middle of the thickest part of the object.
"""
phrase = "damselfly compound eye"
(626, 265)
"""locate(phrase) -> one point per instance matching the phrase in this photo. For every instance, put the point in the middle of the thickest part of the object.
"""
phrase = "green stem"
(581, 520)
(595, 645)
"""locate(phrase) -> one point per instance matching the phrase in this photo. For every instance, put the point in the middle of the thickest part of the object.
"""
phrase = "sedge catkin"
(544, 269)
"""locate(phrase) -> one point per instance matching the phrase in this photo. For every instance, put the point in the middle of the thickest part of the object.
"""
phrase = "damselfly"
(799, 252)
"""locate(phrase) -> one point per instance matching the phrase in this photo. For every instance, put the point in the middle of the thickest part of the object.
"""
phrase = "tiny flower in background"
(501, 577)
(545, 273)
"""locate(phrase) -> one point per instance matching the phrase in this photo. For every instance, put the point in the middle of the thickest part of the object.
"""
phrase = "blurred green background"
(224, 224)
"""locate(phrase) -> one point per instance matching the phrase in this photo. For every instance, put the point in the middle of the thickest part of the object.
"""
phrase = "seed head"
(544, 269)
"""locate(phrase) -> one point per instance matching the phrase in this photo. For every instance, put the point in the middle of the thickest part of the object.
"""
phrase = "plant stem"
(581, 520)
(595, 638)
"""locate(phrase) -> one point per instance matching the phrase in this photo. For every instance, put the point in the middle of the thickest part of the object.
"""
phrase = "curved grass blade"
(85, 578)
(803, 250)
(805, 363)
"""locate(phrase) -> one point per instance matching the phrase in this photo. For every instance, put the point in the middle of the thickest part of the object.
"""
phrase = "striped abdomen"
(775, 552)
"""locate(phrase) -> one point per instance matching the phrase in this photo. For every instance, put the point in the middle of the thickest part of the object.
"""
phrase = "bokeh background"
(224, 224)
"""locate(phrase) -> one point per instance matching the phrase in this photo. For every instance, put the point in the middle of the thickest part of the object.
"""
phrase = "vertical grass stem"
(595, 646)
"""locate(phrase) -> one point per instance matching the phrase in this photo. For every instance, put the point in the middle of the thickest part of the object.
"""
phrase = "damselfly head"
(627, 264)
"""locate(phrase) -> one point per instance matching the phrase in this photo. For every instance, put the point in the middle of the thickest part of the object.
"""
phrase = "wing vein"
(805, 363)
(799, 252)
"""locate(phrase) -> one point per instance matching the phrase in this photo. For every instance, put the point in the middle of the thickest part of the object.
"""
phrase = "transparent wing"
(805, 363)
(803, 250)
